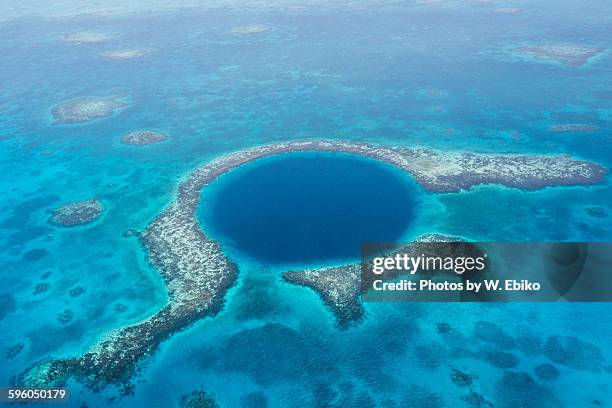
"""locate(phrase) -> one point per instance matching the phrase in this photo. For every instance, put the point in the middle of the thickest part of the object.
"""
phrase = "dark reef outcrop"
(14, 350)
(197, 399)
(492, 333)
(41, 288)
(65, 317)
(76, 291)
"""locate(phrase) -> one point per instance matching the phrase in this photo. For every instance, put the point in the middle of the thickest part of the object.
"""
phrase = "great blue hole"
(308, 208)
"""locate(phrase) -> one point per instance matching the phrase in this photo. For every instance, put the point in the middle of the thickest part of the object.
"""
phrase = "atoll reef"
(85, 109)
(437, 171)
(570, 55)
(249, 29)
(122, 55)
(77, 213)
(198, 274)
(143, 137)
(86, 37)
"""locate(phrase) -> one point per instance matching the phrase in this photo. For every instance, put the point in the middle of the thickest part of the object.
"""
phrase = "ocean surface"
(436, 74)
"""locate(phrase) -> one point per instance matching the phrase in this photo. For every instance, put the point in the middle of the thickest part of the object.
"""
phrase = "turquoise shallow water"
(396, 73)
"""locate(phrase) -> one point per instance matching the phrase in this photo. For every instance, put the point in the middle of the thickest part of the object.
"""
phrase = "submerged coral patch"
(86, 37)
(574, 353)
(572, 128)
(547, 372)
(123, 55)
(443, 327)
(293, 355)
(508, 10)
(197, 399)
(254, 400)
(571, 55)
(7, 305)
(419, 396)
(77, 291)
(86, 109)
(143, 137)
(66, 316)
(250, 29)
(14, 350)
(529, 345)
(492, 333)
(518, 389)
(41, 288)
(429, 355)
(461, 379)
(35, 254)
(499, 359)
(77, 213)
(596, 211)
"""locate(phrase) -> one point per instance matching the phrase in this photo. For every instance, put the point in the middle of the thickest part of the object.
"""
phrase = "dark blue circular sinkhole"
(308, 208)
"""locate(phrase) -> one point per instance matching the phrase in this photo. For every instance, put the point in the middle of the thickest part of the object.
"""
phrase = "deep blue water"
(309, 208)
(409, 73)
